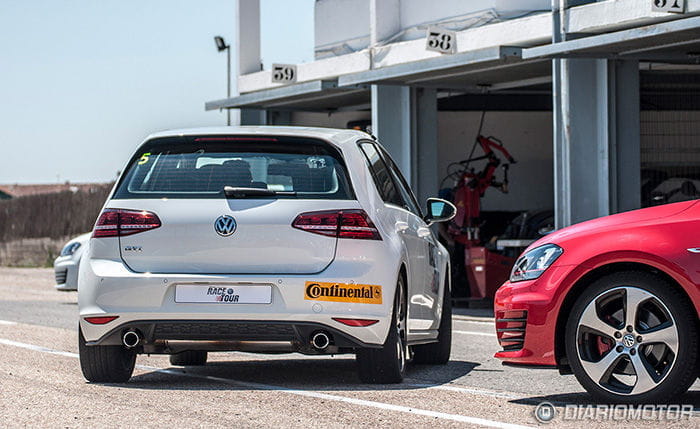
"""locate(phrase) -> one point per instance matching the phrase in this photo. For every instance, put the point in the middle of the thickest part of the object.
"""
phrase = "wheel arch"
(580, 286)
(403, 274)
(448, 278)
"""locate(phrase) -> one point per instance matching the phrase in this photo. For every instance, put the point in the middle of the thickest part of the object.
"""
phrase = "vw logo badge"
(628, 340)
(225, 225)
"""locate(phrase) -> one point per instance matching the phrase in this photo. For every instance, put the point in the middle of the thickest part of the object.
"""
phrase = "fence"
(33, 228)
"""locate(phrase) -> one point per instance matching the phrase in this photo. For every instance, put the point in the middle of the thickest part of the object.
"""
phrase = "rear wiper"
(236, 192)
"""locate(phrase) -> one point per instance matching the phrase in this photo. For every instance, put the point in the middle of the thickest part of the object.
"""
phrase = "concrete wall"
(325, 120)
(336, 34)
(528, 137)
(340, 27)
(459, 14)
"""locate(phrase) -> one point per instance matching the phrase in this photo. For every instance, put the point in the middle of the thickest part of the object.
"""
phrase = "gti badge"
(225, 225)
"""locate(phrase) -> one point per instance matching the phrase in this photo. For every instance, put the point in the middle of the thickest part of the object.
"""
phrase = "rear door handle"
(401, 226)
(694, 250)
(423, 232)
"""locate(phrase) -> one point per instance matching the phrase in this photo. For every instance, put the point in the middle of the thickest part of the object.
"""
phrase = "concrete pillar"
(425, 180)
(279, 117)
(405, 122)
(596, 139)
(391, 123)
(251, 117)
(625, 178)
(585, 133)
(246, 55)
(404, 119)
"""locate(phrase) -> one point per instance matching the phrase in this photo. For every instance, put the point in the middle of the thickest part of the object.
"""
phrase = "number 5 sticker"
(144, 158)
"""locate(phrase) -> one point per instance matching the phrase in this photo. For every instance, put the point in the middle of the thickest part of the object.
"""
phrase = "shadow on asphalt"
(474, 312)
(316, 374)
(692, 397)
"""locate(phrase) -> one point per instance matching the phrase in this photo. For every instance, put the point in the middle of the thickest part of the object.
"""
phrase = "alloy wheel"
(401, 329)
(627, 340)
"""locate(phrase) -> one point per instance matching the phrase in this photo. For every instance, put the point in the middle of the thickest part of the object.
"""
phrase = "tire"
(438, 353)
(189, 358)
(105, 364)
(387, 364)
(608, 358)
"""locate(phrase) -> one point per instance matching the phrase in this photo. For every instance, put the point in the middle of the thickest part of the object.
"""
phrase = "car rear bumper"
(147, 302)
(526, 316)
(172, 336)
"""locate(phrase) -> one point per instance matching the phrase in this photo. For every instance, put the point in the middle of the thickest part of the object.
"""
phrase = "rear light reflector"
(338, 223)
(121, 222)
(100, 320)
(356, 322)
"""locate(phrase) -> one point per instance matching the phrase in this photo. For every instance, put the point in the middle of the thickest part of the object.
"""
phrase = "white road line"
(483, 334)
(306, 393)
(7, 322)
(470, 390)
(37, 348)
(373, 404)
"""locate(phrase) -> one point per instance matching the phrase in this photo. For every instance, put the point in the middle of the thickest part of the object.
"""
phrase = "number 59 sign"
(284, 73)
(441, 40)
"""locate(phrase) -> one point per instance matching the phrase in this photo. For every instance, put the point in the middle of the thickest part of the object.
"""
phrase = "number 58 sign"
(441, 40)
(675, 6)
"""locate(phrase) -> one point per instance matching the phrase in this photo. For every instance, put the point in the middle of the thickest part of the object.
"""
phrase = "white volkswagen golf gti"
(264, 239)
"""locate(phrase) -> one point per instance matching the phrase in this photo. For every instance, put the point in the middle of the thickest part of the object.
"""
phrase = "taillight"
(338, 223)
(121, 222)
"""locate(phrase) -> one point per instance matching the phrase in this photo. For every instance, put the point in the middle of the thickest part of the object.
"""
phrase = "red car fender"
(673, 270)
(654, 261)
(662, 238)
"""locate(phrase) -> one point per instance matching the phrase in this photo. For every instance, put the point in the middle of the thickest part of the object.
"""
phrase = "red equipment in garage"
(485, 269)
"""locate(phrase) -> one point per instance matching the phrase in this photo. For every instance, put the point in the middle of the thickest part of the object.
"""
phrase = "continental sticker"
(343, 292)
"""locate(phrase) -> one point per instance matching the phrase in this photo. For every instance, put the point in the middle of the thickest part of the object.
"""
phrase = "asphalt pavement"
(41, 383)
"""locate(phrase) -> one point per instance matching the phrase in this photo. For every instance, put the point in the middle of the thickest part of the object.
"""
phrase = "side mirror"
(439, 210)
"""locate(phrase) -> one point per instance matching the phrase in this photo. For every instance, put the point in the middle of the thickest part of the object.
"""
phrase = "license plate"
(224, 294)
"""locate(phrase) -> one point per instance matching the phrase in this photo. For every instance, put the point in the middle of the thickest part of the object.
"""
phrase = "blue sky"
(83, 82)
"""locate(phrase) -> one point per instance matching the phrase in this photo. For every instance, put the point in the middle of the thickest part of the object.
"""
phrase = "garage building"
(597, 101)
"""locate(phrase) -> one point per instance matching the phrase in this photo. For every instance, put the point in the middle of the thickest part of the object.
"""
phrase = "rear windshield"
(200, 167)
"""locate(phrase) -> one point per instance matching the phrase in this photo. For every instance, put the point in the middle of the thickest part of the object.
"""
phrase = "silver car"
(264, 239)
(68, 262)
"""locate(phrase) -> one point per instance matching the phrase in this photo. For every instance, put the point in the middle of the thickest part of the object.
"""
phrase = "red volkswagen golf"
(615, 301)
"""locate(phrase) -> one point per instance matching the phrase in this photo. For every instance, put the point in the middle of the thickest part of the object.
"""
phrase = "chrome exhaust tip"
(131, 339)
(320, 340)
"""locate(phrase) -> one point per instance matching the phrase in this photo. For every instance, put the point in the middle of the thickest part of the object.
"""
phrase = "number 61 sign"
(441, 40)
(673, 6)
